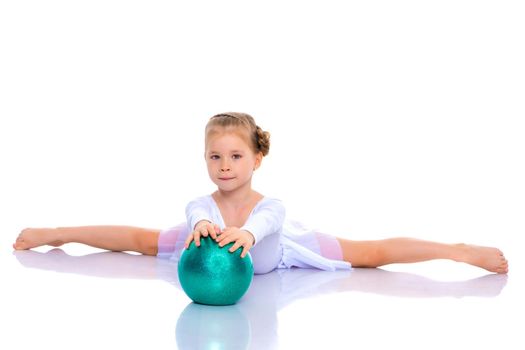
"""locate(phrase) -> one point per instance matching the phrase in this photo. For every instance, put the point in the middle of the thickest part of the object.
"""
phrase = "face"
(230, 160)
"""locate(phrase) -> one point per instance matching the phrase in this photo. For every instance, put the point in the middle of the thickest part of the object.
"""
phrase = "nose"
(225, 165)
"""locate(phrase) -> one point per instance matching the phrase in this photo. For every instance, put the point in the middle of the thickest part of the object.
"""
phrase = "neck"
(239, 197)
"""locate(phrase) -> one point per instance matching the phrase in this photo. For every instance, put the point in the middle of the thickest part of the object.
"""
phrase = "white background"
(387, 118)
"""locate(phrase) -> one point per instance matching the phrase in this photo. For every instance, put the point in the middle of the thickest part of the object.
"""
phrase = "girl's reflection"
(252, 322)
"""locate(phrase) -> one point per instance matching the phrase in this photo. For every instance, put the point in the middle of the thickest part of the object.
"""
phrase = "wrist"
(251, 235)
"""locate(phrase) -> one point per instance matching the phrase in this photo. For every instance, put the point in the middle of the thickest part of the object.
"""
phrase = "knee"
(263, 264)
(366, 254)
(147, 242)
(266, 255)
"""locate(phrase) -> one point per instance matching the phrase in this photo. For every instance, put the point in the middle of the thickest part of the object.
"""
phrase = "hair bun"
(263, 140)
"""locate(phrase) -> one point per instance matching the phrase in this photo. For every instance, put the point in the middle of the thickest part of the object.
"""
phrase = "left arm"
(266, 219)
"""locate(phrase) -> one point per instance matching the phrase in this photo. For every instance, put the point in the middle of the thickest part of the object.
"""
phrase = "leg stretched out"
(115, 238)
(358, 253)
(409, 250)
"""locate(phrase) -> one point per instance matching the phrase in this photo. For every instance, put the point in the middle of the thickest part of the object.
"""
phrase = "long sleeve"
(267, 218)
(197, 210)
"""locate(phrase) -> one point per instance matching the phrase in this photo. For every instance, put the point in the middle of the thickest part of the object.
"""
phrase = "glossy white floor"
(84, 298)
(388, 118)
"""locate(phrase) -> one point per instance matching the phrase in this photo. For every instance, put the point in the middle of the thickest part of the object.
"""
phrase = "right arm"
(200, 223)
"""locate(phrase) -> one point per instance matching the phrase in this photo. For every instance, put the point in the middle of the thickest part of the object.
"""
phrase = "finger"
(188, 241)
(227, 239)
(224, 235)
(235, 246)
(244, 251)
(197, 238)
(212, 232)
(217, 231)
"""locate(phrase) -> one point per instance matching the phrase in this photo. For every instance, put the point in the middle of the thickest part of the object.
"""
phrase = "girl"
(234, 149)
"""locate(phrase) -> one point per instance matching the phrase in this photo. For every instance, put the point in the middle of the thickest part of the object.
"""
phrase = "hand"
(203, 228)
(241, 238)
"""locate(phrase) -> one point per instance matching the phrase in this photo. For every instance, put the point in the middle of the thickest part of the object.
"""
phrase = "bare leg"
(408, 250)
(116, 238)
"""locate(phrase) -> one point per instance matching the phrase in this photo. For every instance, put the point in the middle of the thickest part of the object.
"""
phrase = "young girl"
(234, 149)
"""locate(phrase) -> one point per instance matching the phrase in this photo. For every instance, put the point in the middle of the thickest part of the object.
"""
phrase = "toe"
(20, 245)
(504, 268)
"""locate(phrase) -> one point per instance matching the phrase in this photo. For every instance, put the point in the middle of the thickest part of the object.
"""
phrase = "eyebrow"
(233, 151)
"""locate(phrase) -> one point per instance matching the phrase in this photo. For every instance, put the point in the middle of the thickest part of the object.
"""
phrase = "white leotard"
(266, 218)
(265, 223)
(278, 243)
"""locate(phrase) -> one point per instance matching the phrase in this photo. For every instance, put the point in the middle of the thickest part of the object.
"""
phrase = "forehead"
(227, 137)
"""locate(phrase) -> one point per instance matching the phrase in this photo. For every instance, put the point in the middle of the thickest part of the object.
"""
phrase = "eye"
(236, 156)
(214, 157)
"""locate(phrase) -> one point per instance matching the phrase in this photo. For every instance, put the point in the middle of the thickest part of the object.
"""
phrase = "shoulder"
(270, 203)
(200, 201)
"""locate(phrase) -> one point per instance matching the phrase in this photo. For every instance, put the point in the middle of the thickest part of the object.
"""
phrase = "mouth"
(226, 178)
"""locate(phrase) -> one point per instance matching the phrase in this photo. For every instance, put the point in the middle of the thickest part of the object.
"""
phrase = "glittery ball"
(211, 275)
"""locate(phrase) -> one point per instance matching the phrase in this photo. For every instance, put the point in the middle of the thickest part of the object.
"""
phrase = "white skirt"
(297, 246)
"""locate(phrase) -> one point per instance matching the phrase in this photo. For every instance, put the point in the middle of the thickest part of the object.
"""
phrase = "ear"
(258, 160)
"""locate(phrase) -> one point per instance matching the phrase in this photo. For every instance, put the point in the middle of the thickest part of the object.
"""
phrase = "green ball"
(211, 275)
(201, 327)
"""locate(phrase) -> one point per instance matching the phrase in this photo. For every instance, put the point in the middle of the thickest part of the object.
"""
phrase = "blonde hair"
(258, 139)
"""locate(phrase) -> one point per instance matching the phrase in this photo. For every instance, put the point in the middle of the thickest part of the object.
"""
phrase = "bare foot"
(36, 237)
(488, 258)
